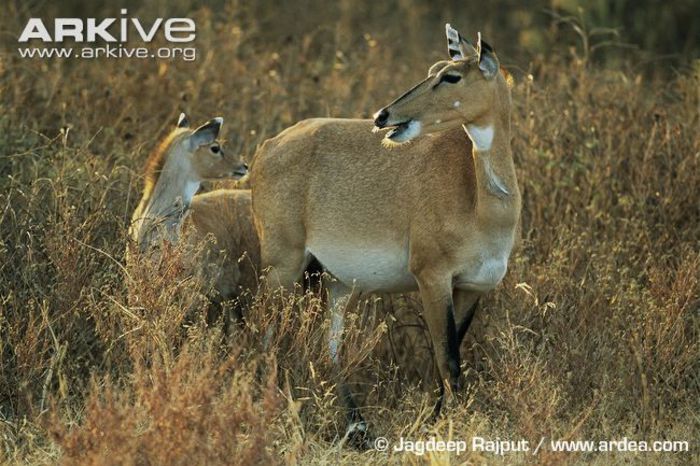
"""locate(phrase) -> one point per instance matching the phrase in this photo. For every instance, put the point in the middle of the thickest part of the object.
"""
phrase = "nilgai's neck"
(175, 188)
(168, 200)
(497, 185)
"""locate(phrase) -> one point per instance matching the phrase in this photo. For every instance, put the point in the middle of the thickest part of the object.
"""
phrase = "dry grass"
(594, 333)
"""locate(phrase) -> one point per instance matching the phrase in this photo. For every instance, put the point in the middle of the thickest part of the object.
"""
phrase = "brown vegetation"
(594, 333)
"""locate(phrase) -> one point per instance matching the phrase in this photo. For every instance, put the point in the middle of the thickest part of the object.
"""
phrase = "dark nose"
(380, 118)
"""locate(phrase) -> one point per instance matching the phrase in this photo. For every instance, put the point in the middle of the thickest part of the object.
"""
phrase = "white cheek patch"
(481, 136)
(411, 131)
(456, 103)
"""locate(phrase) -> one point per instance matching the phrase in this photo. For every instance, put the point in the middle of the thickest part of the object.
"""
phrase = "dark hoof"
(446, 401)
(437, 410)
(358, 437)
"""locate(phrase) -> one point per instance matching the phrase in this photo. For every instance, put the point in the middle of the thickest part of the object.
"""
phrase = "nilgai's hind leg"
(286, 265)
(438, 312)
(342, 298)
(286, 268)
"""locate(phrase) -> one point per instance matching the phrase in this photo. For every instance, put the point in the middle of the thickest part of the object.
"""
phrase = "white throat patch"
(495, 184)
(481, 136)
(190, 190)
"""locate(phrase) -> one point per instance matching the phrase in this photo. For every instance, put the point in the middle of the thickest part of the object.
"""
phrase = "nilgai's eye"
(215, 149)
(450, 78)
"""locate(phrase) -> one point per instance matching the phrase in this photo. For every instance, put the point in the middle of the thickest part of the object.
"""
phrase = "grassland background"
(592, 335)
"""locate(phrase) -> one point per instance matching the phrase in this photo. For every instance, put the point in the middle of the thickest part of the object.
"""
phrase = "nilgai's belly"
(376, 266)
(366, 267)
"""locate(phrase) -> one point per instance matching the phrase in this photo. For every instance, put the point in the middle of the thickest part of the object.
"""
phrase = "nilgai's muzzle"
(380, 118)
(240, 171)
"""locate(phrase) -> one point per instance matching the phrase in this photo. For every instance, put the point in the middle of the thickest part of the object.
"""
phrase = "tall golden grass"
(592, 335)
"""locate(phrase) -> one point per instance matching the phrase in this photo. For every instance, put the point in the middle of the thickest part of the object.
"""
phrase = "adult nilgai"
(438, 214)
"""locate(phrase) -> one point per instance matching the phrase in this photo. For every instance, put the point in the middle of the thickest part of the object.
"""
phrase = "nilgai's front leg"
(438, 312)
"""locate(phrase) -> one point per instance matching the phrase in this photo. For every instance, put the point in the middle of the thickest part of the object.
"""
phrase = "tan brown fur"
(433, 214)
(226, 214)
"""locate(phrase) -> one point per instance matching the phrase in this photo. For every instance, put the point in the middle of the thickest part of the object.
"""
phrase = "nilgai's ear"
(488, 61)
(457, 46)
(183, 121)
(207, 133)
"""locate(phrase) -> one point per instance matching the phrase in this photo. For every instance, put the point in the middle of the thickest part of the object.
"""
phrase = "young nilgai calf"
(433, 206)
(170, 211)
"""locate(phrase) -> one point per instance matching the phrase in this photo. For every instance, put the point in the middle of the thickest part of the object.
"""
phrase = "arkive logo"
(109, 30)
(108, 38)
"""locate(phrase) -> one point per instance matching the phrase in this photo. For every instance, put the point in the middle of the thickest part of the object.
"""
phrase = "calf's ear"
(207, 133)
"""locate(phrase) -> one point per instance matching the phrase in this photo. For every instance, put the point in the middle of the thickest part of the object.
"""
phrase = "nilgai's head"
(456, 92)
(202, 149)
